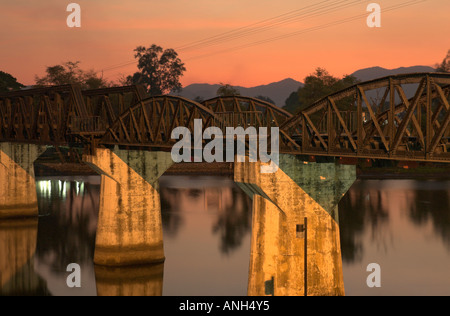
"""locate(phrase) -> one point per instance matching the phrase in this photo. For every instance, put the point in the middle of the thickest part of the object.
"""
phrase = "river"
(401, 225)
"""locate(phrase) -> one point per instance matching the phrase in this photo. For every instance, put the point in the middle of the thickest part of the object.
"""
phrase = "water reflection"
(207, 227)
(17, 247)
(130, 281)
(360, 209)
(403, 225)
(367, 207)
(66, 232)
(433, 205)
(218, 196)
(68, 210)
(35, 254)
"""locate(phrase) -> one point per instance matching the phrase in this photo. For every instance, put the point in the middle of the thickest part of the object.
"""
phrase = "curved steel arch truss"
(150, 123)
(234, 111)
(376, 119)
(403, 117)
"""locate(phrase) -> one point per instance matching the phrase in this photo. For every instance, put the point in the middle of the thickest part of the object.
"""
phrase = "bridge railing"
(93, 125)
(350, 119)
(243, 119)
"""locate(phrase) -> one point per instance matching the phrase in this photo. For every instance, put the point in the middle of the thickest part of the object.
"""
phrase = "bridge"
(125, 135)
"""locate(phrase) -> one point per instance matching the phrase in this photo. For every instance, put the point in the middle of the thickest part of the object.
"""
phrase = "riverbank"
(425, 172)
(43, 169)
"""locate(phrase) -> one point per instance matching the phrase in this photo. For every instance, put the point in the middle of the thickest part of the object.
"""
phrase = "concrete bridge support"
(281, 201)
(18, 196)
(129, 229)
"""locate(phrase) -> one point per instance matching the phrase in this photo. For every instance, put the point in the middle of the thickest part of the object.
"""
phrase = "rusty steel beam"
(344, 124)
(415, 129)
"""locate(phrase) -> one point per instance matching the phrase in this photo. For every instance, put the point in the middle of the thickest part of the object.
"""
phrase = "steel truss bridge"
(374, 119)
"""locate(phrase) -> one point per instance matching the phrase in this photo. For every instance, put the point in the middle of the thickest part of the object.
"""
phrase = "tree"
(9, 83)
(317, 86)
(445, 65)
(70, 73)
(159, 70)
(265, 99)
(199, 99)
(292, 102)
(227, 90)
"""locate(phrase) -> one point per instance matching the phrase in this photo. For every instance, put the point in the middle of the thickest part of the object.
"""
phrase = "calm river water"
(402, 225)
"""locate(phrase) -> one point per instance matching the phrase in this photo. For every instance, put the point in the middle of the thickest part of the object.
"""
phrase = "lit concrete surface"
(17, 182)
(281, 201)
(129, 228)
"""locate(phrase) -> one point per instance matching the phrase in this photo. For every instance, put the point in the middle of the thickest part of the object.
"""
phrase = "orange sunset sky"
(34, 35)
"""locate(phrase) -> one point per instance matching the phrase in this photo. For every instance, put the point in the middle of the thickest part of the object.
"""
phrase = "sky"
(310, 34)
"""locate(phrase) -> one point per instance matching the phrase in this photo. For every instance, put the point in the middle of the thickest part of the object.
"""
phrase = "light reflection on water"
(403, 225)
(206, 224)
(68, 209)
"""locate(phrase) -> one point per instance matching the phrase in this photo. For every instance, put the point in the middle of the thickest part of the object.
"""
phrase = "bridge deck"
(374, 119)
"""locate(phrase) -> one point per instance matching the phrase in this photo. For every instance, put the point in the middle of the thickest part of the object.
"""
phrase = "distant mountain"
(379, 72)
(277, 91)
(280, 91)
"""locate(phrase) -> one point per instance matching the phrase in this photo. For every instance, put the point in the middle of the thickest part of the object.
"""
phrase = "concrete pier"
(18, 196)
(281, 201)
(130, 227)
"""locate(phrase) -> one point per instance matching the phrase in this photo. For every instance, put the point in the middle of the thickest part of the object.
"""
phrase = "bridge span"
(125, 136)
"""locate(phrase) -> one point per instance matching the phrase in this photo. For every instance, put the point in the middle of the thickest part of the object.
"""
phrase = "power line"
(308, 30)
(245, 29)
(337, 6)
(288, 17)
(119, 66)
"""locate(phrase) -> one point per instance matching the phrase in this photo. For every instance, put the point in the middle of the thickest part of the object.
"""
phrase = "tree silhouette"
(317, 86)
(70, 73)
(159, 70)
(8, 83)
(265, 99)
(227, 90)
(445, 65)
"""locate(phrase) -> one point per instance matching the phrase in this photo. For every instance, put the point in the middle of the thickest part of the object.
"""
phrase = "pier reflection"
(17, 249)
(67, 230)
(144, 280)
(207, 225)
